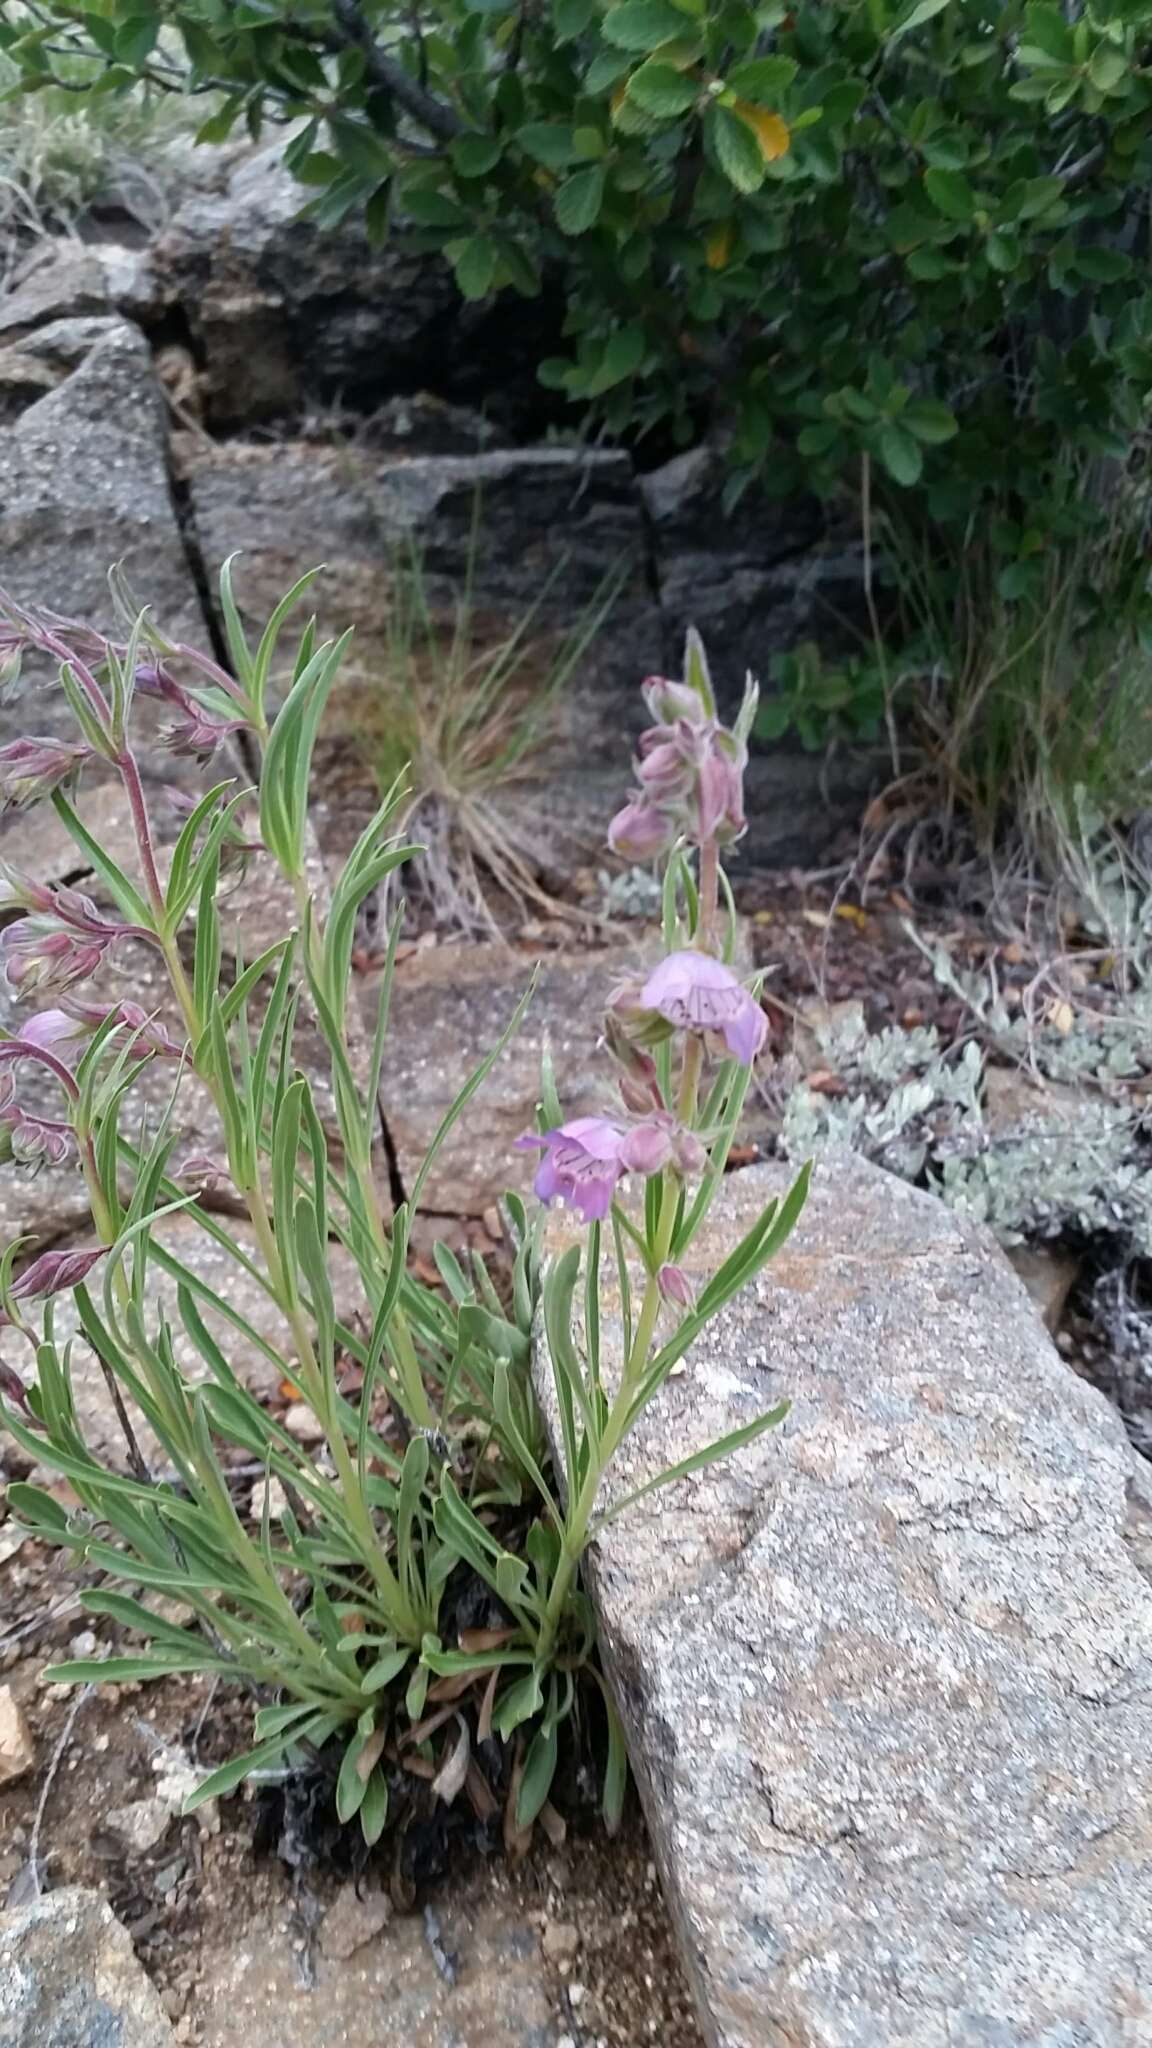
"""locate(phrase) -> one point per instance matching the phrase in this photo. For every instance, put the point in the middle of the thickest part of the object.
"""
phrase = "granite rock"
(886, 1672)
(69, 1978)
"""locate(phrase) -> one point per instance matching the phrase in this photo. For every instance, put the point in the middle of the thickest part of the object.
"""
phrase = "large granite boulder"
(886, 1673)
(69, 1978)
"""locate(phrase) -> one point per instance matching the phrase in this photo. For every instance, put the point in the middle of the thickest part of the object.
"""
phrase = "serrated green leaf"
(762, 78)
(930, 420)
(579, 199)
(474, 263)
(643, 24)
(663, 90)
(738, 151)
(475, 155)
(950, 193)
(550, 142)
(900, 453)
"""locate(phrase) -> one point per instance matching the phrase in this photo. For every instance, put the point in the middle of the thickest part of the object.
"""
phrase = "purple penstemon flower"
(581, 1164)
(32, 768)
(694, 992)
(585, 1160)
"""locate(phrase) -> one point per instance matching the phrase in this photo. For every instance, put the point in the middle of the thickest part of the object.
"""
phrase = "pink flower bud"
(33, 768)
(647, 1148)
(640, 832)
(32, 1141)
(37, 956)
(668, 701)
(203, 1174)
(675, 1286)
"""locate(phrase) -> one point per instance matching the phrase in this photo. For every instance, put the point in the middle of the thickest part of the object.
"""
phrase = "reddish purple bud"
(12, 1387)
(199, 732)
(54, 1273)
(32, 768)
(640, 832)
(19, 892)
(202, 1174)
(694, 992)
(666, 768)
(675, 1286)
(639, 1081)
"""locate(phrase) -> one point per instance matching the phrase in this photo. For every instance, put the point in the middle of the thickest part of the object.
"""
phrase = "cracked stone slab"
(886, 1673)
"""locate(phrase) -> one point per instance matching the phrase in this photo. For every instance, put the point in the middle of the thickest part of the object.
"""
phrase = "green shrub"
(911, 232)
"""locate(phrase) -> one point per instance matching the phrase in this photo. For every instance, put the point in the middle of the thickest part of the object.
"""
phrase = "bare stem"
(142, 828)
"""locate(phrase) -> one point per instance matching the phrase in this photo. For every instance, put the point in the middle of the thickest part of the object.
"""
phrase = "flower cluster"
(32, 768)
(690, 763)
(690, 769)
(60, 940)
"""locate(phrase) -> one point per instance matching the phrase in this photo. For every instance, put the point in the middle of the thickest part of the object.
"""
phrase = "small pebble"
(301, 1423)
(140, 1826)
(559, 1940)
(17, 1748)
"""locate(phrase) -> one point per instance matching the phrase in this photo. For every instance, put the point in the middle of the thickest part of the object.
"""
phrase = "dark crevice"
(650, 562)
(396, 1187)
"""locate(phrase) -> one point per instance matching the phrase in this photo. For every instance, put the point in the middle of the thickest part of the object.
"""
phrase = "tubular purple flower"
(32, 768)
(640, 832)
(694, 992)
(581, 1164)
(51, 1031)
(54, 1273)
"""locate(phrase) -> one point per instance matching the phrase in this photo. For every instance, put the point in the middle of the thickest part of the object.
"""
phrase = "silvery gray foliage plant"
(920, 1109)
(409, 1599)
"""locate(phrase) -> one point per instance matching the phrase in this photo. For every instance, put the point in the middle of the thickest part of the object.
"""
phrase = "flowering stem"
(580, 1513)
(709, 893)
(141, 826)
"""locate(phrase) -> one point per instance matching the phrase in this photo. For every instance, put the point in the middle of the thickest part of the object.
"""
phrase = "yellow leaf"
(770, 130)
(1062, 1016)
(718, 247)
